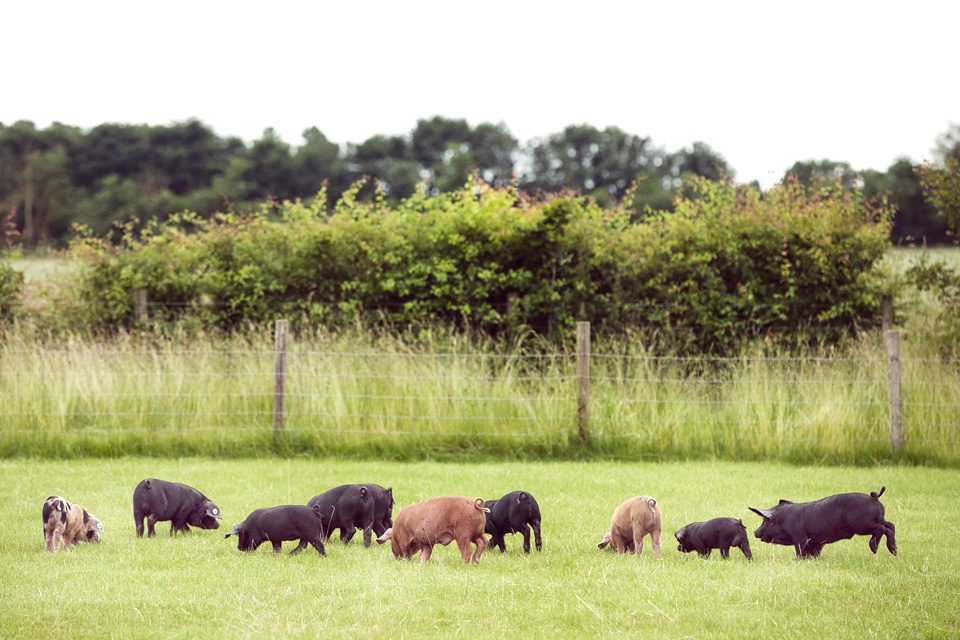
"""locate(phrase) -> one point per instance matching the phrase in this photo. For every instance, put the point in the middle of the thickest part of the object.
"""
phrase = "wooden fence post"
(512, 298)
(896, 390)
(583, 374)
(280, 370)
(140, 305)
(886, 312)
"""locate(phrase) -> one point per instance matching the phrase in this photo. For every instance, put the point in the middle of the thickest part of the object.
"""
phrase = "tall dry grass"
(440, 394)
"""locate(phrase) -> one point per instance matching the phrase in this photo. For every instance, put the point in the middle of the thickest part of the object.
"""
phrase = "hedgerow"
(729, 263)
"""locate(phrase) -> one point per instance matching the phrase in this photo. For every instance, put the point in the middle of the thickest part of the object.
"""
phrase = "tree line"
(52, 179)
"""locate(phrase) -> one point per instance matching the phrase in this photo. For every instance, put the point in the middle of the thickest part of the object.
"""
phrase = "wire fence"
(823, 408)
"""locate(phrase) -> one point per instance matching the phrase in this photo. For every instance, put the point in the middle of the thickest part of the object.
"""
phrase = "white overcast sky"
(763, 83)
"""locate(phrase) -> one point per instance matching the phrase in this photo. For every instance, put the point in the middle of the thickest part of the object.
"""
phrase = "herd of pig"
(418, 527)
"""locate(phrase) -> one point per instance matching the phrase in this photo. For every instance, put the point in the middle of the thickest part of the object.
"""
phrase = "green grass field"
(199, 585)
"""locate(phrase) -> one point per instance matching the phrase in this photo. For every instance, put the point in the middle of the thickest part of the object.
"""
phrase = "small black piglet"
(719, 533)
(516, 512)
(277, 524)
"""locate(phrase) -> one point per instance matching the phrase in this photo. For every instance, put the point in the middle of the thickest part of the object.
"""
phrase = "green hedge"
(730, 262)
(11, 290)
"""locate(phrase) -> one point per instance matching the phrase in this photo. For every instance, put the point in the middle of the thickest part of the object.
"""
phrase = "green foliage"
(943, 282)
(941, 186)
(915, 221)
(11, 289)
(11, 280)
(730, 263)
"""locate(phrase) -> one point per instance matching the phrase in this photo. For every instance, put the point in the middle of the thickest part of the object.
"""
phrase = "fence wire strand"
(651, 398)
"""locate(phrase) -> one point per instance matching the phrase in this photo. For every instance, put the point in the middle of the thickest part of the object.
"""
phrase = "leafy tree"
(700, 160)
(388, 159)
(188, 155)
(941, 182)
(603, 164)
(948, 144)
(317, 162)
(914, 219)
(112, 149)
(35, 179)
(270, 169)
(813, 173)
(493, 149)
(449, 151)
(432, 138)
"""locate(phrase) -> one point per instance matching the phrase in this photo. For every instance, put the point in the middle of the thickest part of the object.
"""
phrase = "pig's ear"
(766, 514)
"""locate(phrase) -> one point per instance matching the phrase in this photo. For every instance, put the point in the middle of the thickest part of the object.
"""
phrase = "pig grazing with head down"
(278, 524)
(68, 523)
(182, 505)
(719, 533)
(808, 526)
(442, 520)
(516, 512)
(633, 519)
(355, 506)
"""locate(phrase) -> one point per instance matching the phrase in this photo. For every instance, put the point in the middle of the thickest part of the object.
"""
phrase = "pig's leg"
(318, 545)
(890, 532)
(724, 552)
(536, 535)
(347, 533)
(525, 532)
(277, 544)
(481, 543)
(638, 537)
(465, 549)
(151, 521)
(57, 536)
(638, 545)
(300, 547)
(655, 537)
(425, 552)
(618, 542)
(367, 536)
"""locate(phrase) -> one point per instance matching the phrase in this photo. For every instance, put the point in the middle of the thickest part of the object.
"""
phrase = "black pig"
(181, 505)
(512, 514)
(276, 524)
(382, 508)
(719, 533)
(354, 506)
(808, 526)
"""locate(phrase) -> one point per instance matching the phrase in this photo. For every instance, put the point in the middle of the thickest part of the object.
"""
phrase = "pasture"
(200, 585)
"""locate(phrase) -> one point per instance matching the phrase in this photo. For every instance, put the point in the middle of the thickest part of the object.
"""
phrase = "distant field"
(902, 257)
(38, 269)
(199, 585)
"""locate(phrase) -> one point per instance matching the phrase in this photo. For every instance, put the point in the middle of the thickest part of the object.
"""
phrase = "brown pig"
(438, 520)
(631, 521)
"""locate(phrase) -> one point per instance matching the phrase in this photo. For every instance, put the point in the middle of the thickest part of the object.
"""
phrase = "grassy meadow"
(200, 585)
